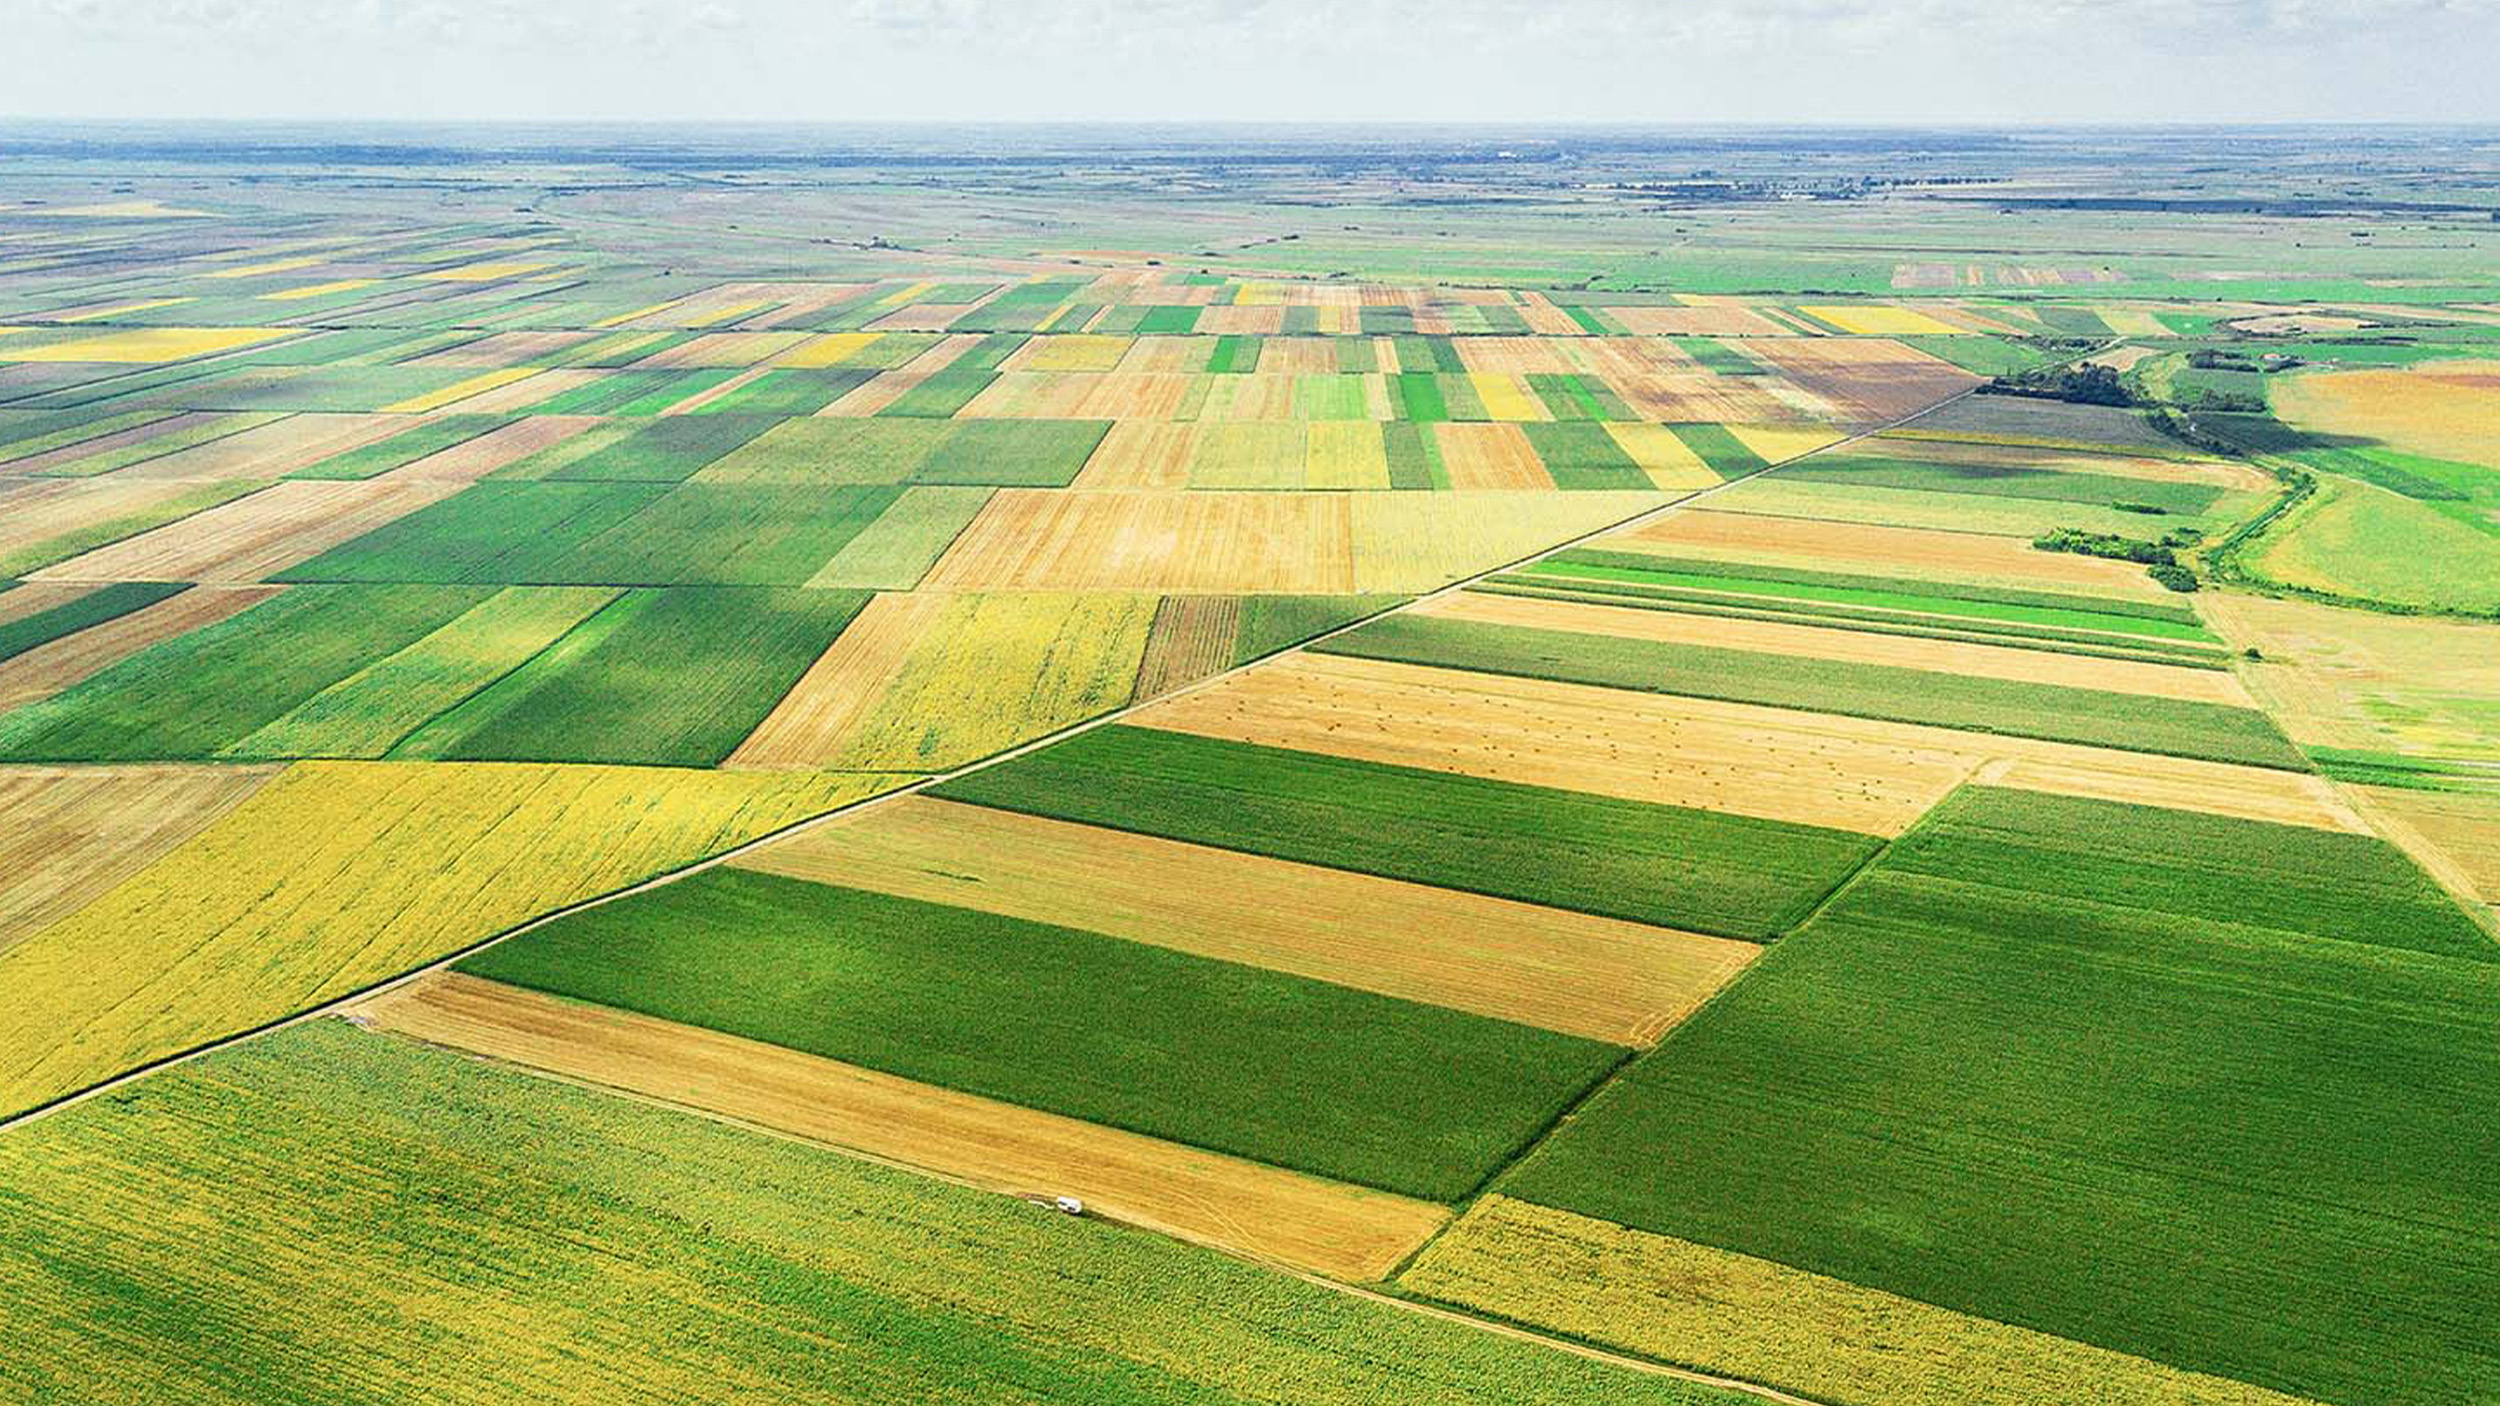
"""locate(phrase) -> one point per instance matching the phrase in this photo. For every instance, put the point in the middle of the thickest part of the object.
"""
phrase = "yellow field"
(460, 390)
(119, 310)
(1879, 319)
(1245, 1207)
(149, 345)
(1599, 977)
(1420, 541)
(1076, 352)
(1764, 1322)
(1778, 442)
(1666, 459)
(273, 266)
(2456, 835)
(1344, 454)
(987, 671)
(1506, 397)
(830, 349)
(339, 874)
(1134, 454)
(2440, 409)
(481, 272)
(1036, 539)
(74, 832)
(316, 290)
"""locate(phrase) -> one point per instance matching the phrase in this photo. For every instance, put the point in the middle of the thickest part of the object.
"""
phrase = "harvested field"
(2008, 707)
(1491, 457)
(990, 670)
(257, 536)
(1759, 1321)
(1869, 380)
(1850, 646)
(50, 668)
(340, 874)
(836, 692)
(273, 450)
(1881, 550)
(1244, 1207)
(1030, 539)
(473, 459)
(1604, 979)
(75, 832)
(1192, 637)
(1846, 773)
(1410, 542)
(2367, 681)
(1718, 319)
(1862, 774)
(1877, 319)
(2455, 835)
(2441, 408)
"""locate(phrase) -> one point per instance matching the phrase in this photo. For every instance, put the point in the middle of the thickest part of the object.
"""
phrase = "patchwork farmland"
(605, 798)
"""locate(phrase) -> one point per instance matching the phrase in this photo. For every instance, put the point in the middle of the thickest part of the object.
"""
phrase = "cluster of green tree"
(2159, 558)
(2083, 385)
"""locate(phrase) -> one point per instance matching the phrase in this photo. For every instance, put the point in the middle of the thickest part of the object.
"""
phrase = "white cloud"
(1661, 60)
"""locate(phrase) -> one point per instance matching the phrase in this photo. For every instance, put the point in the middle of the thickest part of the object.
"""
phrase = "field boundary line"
(1577, 1348)
(339, 1003)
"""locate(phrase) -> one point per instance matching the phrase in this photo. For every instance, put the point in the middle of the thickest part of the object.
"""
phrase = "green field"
(81, 612)
(641, 1251)
(2083, 1077)
(2056, 485)
(193, 696)
(1281, 1068)
(1726, 874)
(2037, 608)
(2127, 721)
(660, 677)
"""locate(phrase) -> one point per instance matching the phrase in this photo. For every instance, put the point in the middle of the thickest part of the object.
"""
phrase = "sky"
(1984, 62)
